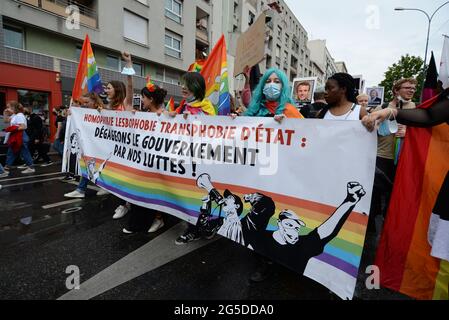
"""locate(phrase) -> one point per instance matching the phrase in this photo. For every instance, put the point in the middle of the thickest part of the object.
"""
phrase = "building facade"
(322, 57)
(41, 34)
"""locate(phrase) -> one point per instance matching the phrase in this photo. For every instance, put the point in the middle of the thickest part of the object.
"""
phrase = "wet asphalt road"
(40, 237)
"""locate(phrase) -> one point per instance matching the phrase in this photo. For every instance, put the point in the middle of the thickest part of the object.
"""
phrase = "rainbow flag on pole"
(171, 105)
(409, 250)
(215, 72)
(87, 77)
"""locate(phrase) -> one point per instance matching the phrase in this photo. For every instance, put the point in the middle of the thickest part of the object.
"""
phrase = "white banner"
(298, 193)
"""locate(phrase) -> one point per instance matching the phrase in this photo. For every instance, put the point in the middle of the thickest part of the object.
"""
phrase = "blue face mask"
(272, 91)
(388, 128)
(191, 99)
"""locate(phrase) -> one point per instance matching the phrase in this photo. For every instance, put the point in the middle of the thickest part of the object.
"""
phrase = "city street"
(42, 233)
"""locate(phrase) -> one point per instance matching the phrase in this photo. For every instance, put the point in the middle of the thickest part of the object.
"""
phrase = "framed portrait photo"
(303, 90)
(376, 96)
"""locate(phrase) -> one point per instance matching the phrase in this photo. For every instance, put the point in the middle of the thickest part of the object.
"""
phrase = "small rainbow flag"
(197, 66)
(87, 77)
(405, 255)
(171, 105)
(215, 72)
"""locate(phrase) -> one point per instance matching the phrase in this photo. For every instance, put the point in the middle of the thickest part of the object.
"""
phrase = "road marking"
(151, 256)
(31, 177)
(31, 182)
(60, 204)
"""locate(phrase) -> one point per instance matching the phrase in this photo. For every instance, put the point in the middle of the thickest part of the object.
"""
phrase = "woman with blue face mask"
(271, 98)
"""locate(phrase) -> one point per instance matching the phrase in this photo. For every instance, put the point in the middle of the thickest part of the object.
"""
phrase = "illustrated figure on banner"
(93, 173)
(284, 244)
(75, 153)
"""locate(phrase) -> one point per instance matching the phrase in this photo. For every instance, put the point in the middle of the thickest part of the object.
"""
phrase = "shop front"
(35, 88)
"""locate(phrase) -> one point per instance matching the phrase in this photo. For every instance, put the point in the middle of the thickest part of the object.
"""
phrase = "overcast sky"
(368, 48)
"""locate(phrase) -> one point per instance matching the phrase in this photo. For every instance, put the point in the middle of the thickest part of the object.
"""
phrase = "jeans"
(24, 152)
(58, 147)
(82, 186)
(2, 170)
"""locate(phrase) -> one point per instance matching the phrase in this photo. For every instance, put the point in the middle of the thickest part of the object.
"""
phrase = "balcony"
(68, 69)
(88, 16)
(202, 35)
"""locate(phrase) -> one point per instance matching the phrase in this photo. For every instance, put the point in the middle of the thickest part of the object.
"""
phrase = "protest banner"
(298, 193)
(251, 46)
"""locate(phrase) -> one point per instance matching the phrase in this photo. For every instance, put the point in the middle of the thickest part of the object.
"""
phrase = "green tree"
(407, 67)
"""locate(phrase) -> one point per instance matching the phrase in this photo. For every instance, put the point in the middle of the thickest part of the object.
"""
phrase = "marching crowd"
(269, 96)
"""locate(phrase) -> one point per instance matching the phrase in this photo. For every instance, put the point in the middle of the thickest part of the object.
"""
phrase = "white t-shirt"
(353, 114)
(16, 120)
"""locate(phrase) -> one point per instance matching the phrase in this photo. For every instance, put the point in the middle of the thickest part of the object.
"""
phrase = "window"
(138, 68)
(287, 39)
(173, 45)
(173, 10)
(135, 27)
(37, 100)
(14, 37)
(160, 74)
(278, 51)
(112, 62)
(251, 18)
(78, 50)
(172, 78)
(279, 32)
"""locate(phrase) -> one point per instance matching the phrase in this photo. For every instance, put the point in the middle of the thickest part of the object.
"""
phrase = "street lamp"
(430, 22)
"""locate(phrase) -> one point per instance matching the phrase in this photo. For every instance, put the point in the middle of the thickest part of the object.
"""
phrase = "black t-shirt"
(62, 132)
(442, 204)
(294, 256)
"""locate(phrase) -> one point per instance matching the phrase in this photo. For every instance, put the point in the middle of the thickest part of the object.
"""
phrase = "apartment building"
(41, 48)
(341, 66)
(322, 57)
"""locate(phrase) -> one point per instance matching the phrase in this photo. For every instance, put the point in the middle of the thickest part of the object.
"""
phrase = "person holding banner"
(194, 93)
(120, 98)
(271, 98)
(341, 96)
(140, 219)
(92, 101)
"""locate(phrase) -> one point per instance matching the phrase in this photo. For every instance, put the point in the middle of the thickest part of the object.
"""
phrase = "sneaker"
(157, 224)
(47, 164)
(187, 237)
(28, 171)
(120, 212)
(126, 231)
(102, 192)
(8, 168)
(75, 194)
(4, 174)
(23, 166)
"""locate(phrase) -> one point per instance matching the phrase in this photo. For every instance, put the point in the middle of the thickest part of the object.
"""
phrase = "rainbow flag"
(87, 77)
(215, 72)
(197, 66)
(171, 105)
(404, 254)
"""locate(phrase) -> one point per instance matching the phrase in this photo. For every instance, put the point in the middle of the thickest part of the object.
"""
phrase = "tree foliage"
(407, 67)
